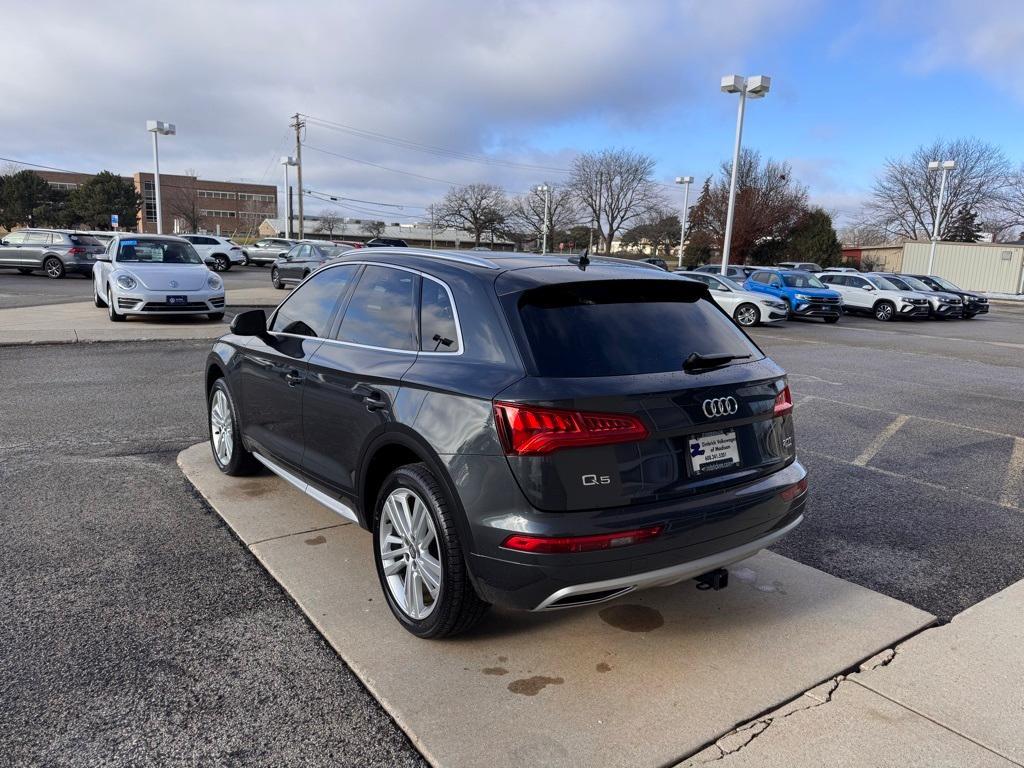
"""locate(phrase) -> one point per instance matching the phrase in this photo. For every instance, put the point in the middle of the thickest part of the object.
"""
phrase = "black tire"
(25, 270)
(96, 299)
(240, 462)
(747, 315)
(969, 317)
(884, 311)
(457, 607)
(112, 313)
(218, 316)
(275, 278)
(831, 320)
(54, 267)
(221, 263)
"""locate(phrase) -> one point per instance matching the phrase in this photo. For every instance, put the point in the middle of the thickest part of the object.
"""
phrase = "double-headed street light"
(686, 181)
(755, 88)
(167, 129)
(946, 166)
(287, 161)
(544, 229)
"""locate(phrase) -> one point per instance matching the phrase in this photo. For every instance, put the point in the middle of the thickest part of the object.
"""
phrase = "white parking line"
(883, 437)
(916, 480)
(1013, 486)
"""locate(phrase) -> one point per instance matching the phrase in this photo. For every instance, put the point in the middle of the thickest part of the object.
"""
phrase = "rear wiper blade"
(697, 361)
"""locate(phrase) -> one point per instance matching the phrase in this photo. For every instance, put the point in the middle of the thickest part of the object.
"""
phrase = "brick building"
(188, 202)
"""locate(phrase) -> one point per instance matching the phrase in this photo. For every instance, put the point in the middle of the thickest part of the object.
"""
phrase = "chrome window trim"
(442, 283)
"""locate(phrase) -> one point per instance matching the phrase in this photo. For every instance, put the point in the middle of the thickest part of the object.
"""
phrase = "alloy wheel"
(221, 427)
(410, 553)
(54, 268)
(884, 312)
(746, 315)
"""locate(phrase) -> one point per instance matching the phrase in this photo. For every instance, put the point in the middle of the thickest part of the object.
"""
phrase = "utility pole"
(298, 125)
(946, 166)
(600, 188)
(686, 181)
(544, 228)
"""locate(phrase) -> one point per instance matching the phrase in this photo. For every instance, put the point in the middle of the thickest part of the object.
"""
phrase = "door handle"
(294, 378)
(374, 401)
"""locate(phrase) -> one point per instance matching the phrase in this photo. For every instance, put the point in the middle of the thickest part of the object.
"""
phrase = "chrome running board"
(332, 504)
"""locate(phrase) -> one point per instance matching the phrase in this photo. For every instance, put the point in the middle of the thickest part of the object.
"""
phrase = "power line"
(383, 167)
(428, 148)
(335, 198)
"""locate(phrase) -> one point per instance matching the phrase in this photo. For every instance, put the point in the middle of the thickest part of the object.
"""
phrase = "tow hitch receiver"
(716, 579)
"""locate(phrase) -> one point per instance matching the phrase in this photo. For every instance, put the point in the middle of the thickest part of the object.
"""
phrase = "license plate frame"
(713, 452)
(177, 300)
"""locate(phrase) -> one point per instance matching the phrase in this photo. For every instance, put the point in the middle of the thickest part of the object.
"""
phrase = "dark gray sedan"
(57, 252)
(293, 267)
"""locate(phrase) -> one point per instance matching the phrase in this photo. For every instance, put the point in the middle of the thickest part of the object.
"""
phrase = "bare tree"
(768, 204)
(182, 201)
(905, 196)
(474, 208)
(616, 188)
(329, 221)
(858, 233)
(526, 213)
(373, 228)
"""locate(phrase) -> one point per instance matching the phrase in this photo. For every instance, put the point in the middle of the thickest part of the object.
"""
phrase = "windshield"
(884, 283)
(802, 281)
(731, 283)
(84, 240)
(914, 284)
(567, 328)
(945, 283)
(143, 251)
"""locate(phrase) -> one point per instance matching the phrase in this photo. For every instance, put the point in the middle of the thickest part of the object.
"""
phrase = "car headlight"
(126, 281)
(214, 282)
(802, 297)
(943, 301)
(774, 304)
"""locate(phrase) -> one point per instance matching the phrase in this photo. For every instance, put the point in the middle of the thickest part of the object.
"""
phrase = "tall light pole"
(286, 161)
(167, 129)
(544, 229)
(755, 87)
(686, 181)
(946, 166)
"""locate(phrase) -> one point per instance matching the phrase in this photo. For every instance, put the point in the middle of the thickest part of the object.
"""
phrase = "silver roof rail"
(456, 256)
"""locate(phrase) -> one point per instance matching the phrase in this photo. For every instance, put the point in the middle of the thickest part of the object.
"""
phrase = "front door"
(275, 370)
(354, 380)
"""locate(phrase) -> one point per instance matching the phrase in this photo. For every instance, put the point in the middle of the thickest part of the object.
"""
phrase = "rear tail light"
(783, 402)
(76, 251)
(527, 430)
(550, 545)
(797, 489)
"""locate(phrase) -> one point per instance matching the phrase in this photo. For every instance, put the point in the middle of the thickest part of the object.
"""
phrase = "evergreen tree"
(27, 200)
(964, 227)
(104, 194)
(813, 238)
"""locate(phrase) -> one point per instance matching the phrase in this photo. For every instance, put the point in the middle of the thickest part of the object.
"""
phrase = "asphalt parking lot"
(37, 289)
(137, 629)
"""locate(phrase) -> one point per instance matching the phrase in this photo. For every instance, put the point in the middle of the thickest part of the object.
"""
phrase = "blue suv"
(804, 294)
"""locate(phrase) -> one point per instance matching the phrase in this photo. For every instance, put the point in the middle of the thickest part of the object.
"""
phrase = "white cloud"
(464, 74)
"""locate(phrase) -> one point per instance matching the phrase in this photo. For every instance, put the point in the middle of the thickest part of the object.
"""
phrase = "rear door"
(606, 361)
(292, 267)
(36, 244)
(720, 292)
(354, 378)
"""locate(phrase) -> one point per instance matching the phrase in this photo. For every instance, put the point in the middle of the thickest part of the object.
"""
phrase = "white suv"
(223, 251)
(874, 294)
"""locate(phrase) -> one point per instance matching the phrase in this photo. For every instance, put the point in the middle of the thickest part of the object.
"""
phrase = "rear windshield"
(84, 240)
(624, 327)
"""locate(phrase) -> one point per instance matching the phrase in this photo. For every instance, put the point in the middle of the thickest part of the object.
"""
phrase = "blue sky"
(521, 81)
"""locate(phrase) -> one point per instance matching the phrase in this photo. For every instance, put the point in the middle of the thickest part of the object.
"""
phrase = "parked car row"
(758, 295)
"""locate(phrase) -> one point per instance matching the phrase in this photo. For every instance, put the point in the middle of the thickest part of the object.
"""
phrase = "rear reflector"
(790, 493)
(527, 430)
(783, 402)
(563, 544)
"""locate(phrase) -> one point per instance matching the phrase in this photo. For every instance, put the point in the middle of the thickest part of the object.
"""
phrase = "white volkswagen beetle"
(155, 275)
(745, 307)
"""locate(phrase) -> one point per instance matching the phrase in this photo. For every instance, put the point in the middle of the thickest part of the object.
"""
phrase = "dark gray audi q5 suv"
(532, 431)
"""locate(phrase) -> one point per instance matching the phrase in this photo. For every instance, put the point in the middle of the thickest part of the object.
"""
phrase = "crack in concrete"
(739, 738)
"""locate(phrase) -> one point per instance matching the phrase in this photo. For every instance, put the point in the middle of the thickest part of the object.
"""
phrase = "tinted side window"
(310, 308)
(438, 332)
(38, 238)
(381, 313)
(761, 277)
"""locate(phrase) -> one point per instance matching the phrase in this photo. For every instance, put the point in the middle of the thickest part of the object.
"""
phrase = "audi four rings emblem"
(720, 406)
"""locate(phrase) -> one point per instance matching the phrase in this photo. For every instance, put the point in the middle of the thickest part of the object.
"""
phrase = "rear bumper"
(79, 267)
(699, 534)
